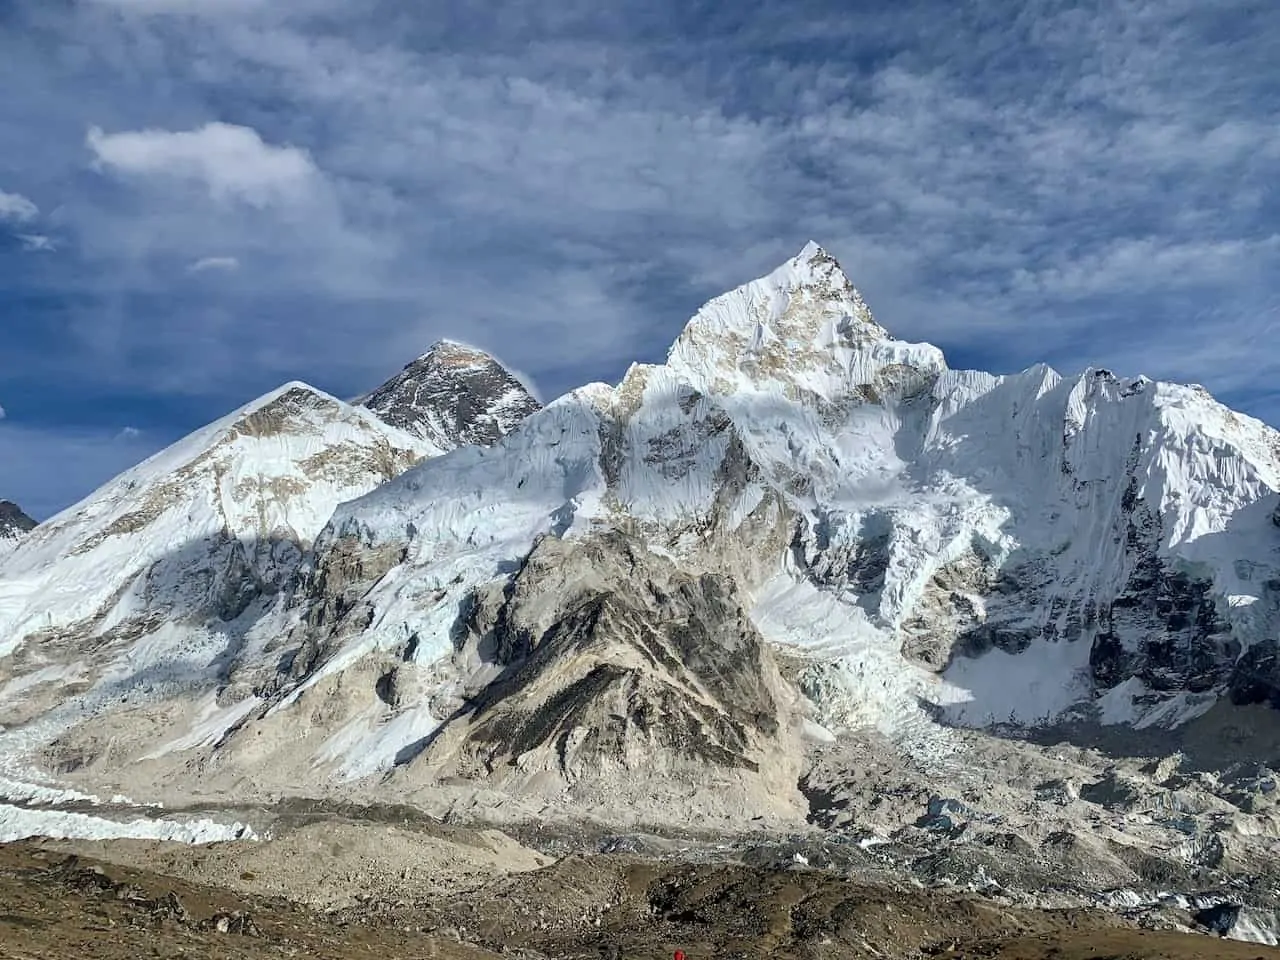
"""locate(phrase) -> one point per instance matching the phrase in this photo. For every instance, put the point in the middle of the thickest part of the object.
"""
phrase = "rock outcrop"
(14, 525)
(453, 395)
(602, 668)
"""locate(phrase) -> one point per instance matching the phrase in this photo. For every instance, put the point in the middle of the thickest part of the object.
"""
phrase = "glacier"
(933, 543)
(921, 548)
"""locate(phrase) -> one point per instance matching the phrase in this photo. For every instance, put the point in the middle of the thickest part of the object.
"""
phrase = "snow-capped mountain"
(14, 525)
(795, 526)
(993, 547)
(156, 580)
(453, 395)
(196, 535)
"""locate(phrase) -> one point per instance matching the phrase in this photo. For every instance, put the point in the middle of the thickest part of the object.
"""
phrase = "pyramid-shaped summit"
(13, 518)
(453, 395)
(803, 328)
(14, 525)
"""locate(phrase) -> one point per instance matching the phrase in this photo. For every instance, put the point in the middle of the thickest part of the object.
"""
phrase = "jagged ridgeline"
(796, 526)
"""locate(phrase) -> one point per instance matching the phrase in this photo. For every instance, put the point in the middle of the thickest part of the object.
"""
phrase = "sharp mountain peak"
(453, 395)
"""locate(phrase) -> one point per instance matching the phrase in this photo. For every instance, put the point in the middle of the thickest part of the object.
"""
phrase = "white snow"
(369, 744)
(159, 551)
(54, 673)
(891, 444)
(1256, 925)
(1130, 704)
(267, 485)
(901, 492)
(17, 823)
(19, 791)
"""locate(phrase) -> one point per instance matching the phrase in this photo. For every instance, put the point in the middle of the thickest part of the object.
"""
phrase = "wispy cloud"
(1136, 265)
(231, 162)
(217, 264)
(36, 243)
(194, 8)
(17, 208)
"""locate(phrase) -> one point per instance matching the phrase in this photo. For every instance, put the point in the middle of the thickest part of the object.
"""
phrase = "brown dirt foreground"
(56, 907)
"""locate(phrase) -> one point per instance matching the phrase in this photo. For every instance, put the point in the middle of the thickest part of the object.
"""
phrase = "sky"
(202, 199)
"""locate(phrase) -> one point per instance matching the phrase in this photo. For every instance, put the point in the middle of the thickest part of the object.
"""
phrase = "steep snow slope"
(14, 525)
(913, 542)
(1002, 547)
(203, 527)
(153, 603)
(453, 395)
(146, 591)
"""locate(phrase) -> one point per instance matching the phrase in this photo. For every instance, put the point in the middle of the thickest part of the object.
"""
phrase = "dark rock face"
(855, 566)
(614, 658)
(1163, 626)
(1220, 918)
(1112, 791)
(1256, 676)
(236, 574)
(1013, 597)
(454, 396)
(331, 592)
(13, 522)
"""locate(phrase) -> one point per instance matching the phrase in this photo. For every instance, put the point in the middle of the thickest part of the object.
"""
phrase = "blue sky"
(200, 199)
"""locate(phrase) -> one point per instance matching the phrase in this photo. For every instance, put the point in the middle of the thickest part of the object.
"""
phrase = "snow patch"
(367, 746)
(17, 823)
